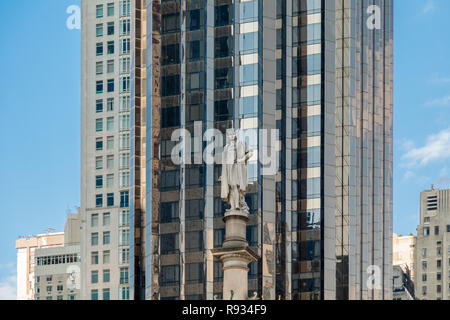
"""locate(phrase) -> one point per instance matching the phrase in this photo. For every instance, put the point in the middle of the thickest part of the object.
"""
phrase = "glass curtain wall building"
(315, 70)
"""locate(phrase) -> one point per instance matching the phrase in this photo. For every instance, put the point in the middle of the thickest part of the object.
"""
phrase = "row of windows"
(124, 256)
(124, 180)
(124, 104)
(124, 142)
(124, 199)
(124, 66)
(124, 47)
(57, 259)
(124, 219)
(124, 123)
(124, 294)
(124, 161)
(124, 278)
(124, 85)
(124, 28)
(426, 230)
(60, 297)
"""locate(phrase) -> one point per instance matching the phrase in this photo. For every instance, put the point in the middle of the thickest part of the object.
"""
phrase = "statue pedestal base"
(235, 256)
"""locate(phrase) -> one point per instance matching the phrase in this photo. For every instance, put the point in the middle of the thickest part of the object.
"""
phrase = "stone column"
(235, 256)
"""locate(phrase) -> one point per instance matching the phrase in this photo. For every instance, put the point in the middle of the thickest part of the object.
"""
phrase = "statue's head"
(231, 135)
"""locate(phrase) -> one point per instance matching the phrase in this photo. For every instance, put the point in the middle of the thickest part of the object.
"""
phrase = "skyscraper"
(105, 149)
(432, 250)
(319, 71)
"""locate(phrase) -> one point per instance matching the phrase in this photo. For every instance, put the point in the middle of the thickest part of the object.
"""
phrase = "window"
(424, 265)
(124, 161)
(124, 122)
(99, 106)
(110, 47)
(424, 252)
(194, 209)
(124, 103)
(110, 143)
(170, 23)
(59, 287)
(110, 123)
(106, 219)
(124, 237)
(99, 86)
(99, 49)
(99, 163)
(124, 199)
(424, 277)
(106, 294)
(125, 65)
(72, 297)
(124, 218)
(99, 30)
(110, 87)
(124, 141)
(124, 293)
(110, 162)
(169, 180)
(194, 19)
(438, 276)
(219, 237)
(125, 46)
(106, 237)
(110, 9)
(170, 275)
(124, 179)
(170, 117)
(99, 200)
(436, 230)
(169, 243)
(110, 199)
(194, 241)
(252, 235)
(99, 67)
(94, 220)
(98, 125)
(110, 28)
(106, 275)
(194, 272)
(94, 258)
(110, 104)
(169, 212)
(110, 180)
(94, 277)
(124, 84)
(223, 15)
(94, 294)
(106, 256)
(124, 276)
(426, 231)
(99, 11)
(110, 66)
(218, 271)
(94, 239)
(125, 27)
(438, 264)
(124, 255)
(125, 8)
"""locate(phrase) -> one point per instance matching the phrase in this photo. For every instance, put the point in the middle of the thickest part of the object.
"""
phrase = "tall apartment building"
(319, 71)
(432, 254)
(26, 250)
(105, 148)
(57, 269)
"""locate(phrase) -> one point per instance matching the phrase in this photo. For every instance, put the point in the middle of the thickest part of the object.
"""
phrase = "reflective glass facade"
(311, 69)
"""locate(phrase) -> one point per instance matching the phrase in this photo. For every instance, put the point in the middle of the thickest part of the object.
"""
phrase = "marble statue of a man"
(234, 178)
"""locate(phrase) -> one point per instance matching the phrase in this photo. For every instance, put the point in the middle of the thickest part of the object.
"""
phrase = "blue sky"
(40, 116)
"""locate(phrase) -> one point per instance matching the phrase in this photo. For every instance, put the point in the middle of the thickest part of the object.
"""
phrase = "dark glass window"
(124, 199)
(170, 180)
(170, 275)
(169, 212)
(170, 54)
(170, 85)
(223, 78)
(110, 85)
(252, 236)
(224, 47)
(193, 50)
(170, 23)
(99, 200)
(110, 199)
(223, 110)
(219, 237)
(194, 272)
(194, 209)
(194, 241)
(99, 106)
(194, 19)
(170, 117)
(99, 86)
(194, 177)
(99, 49)
(252, 202)
(110, 47)
(169, 243)
(223, 15)
(218, 272)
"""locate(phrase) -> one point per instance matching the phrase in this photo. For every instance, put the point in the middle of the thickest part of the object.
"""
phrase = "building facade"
(403, 287)
(105, 148)
(403, 248)
(57, 269)
(432, 251)
(318, 71)
(26, 251)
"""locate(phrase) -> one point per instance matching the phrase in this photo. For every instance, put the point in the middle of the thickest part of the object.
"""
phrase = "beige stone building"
(432, 250)
(403, 252)
(26, 248)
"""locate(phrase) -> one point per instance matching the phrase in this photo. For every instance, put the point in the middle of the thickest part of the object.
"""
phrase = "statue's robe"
(234, 168)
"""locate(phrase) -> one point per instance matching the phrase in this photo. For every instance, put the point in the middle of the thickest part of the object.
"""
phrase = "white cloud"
(8, 288)
(437, 148)
(439, 102)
